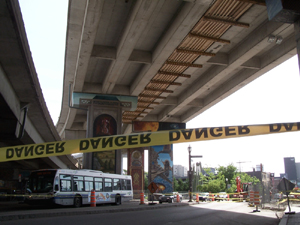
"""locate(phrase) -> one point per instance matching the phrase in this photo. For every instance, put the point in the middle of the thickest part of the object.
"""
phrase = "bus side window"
(98, 184)
(75, 187)
(65, 182)
(117, 184)
(108, 185)
(65, 185)
(128, 184)
(88, 183)
(78, 182)
(123, 184)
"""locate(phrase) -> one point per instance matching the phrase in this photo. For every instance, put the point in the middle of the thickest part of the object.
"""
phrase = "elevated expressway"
(24, 117)
(178, 57)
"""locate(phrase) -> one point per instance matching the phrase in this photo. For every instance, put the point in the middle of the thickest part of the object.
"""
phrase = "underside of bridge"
(24, 117)
(178, 57)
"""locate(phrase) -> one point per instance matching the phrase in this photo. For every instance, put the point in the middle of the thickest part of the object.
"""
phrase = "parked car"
(204, 196)
(170, 198)
(278, 196)
(221, 196)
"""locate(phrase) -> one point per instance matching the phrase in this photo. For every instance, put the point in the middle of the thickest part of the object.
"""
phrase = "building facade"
(180, 171)
(290, 168)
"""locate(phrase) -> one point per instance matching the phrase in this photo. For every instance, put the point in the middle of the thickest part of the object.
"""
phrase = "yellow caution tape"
(139, 140)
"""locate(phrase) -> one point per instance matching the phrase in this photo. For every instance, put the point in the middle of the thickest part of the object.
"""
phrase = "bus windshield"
(41, 181)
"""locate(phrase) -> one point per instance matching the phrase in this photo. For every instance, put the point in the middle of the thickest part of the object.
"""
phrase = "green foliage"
(217, 183)
(180, 185)
(229, 172)
(211, 183)
(216, 186)
(232, 189)
(176, 186)
(245, 178)
(146, 180)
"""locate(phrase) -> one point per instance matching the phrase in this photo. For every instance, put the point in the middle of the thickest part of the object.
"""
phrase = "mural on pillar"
(138, 126)
(160, 157)
(136, 170)
(161, 167)
(136, 159)
(104, 125)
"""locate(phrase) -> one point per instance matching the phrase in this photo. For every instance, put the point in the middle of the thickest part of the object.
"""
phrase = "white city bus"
(73, 187)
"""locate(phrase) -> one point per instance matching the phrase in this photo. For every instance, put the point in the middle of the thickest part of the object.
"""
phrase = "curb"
(85, 211)
(284, 220)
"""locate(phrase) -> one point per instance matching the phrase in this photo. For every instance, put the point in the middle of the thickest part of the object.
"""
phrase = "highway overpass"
(178, 58)
(24, 117)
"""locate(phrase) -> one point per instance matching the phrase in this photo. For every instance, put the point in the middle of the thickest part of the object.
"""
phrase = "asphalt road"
(204, 213)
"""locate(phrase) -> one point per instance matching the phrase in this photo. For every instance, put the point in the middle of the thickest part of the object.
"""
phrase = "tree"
(229, 172)
(146, 180)
(180, 185)
(245, 178)
(176, 186)
(216, 186)
(217, 183)
(211, 183)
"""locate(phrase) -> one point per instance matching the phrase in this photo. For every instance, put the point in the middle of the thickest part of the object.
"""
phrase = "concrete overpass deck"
(178, 57)
(24, 117)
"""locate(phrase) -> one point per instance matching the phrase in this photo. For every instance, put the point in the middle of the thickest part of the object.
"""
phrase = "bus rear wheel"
(77, 202)
(118, 200)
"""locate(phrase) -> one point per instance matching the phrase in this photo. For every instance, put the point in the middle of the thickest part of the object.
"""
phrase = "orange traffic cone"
(93, 198)
(142, 199)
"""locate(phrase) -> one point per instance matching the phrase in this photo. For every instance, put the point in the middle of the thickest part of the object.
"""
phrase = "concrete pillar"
(297, 37)
(104, 119)
(135, 168)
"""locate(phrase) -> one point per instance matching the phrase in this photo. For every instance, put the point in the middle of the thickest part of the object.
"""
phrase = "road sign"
(152, 187)
(285, 185)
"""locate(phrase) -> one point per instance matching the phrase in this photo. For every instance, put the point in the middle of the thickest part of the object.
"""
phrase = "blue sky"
(272, 98)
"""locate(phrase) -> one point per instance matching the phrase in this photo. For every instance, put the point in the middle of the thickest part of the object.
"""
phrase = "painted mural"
(138, 126)
(136, 170)
(161, 167)
(105, 161)
(104, 125)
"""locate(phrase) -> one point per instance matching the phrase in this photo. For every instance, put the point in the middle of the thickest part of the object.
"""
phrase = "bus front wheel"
(77, 202)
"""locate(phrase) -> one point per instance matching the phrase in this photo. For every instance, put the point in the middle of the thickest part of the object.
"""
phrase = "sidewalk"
(291, 219)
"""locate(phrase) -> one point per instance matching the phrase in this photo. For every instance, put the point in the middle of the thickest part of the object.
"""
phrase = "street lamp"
(190, 172)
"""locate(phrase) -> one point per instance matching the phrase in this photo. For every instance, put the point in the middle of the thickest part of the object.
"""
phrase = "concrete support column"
(104, 119)
(136, 170)
(297, 37)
